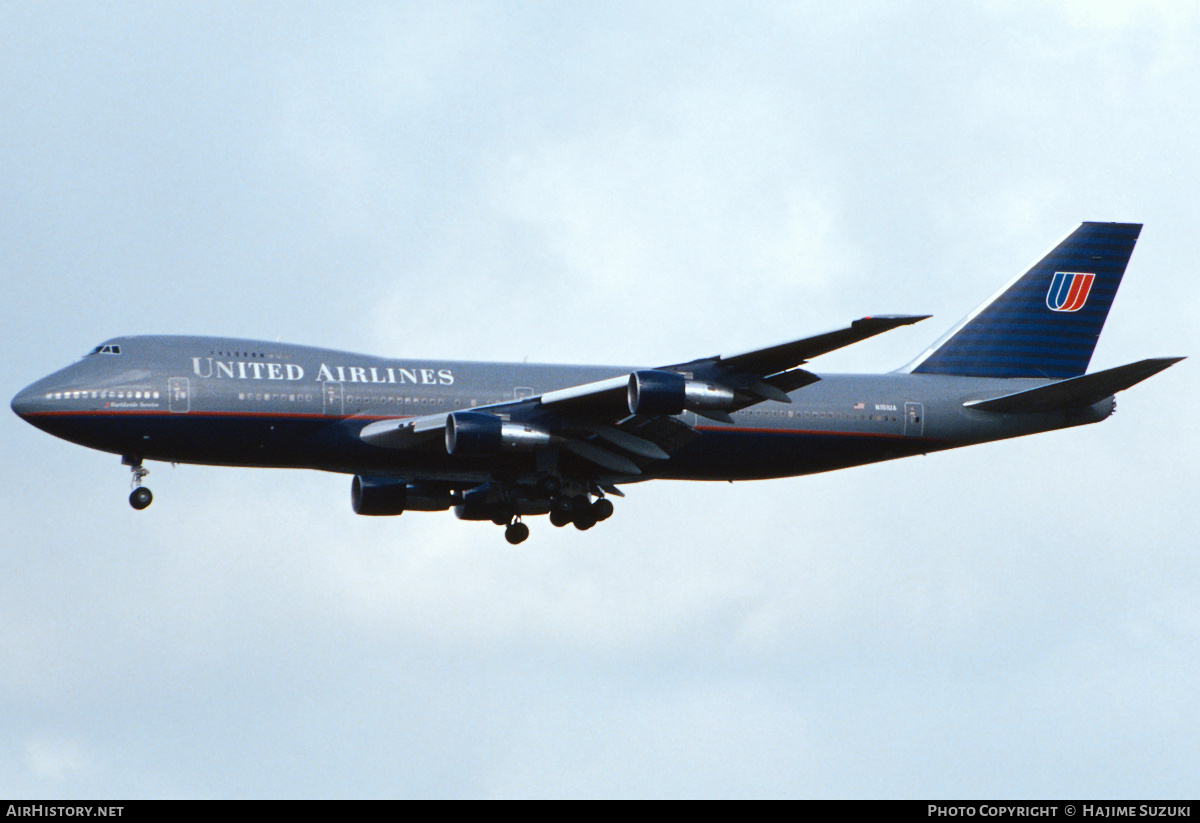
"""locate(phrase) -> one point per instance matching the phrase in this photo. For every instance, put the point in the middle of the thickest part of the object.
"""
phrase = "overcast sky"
(605, 183)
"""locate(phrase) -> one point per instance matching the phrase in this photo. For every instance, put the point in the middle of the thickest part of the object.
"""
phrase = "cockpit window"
(109, 349)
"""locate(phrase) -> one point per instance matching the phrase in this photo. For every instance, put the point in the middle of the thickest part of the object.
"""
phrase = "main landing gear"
(578, 510)
(140, 497)
(573, 502)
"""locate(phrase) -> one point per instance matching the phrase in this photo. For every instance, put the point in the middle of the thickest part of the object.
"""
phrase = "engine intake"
(378, 495)
(665, 392)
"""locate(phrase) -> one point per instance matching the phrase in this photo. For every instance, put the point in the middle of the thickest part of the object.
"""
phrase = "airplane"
(507, 441)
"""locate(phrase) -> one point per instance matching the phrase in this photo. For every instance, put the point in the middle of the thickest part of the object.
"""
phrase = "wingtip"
(1160, 363)
(892, 320)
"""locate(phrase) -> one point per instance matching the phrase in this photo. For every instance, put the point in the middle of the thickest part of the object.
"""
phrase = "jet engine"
(392, 496)
(665, 392)
(481, 433)
(481, 503)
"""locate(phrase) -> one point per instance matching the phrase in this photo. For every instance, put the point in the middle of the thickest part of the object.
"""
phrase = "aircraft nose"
(23, 404)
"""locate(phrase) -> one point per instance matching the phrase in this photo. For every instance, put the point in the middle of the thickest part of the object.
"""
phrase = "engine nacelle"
(392, 496)
(482, 433)
(378, 495)
(665, 392)
(482, 503)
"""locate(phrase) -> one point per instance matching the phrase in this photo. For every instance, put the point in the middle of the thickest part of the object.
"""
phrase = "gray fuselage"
(223, 401)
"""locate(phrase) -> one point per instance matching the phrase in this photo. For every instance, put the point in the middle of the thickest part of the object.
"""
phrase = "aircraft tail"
(1046, 322)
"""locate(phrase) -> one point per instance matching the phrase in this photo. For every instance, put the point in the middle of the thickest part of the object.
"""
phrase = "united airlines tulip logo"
(1069, 290)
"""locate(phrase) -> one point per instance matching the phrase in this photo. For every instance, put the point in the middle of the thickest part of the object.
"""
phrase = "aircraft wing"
(623, 422)
(761, 374)
(775, 359)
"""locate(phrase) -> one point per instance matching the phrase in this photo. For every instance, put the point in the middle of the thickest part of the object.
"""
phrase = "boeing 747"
(505, 441)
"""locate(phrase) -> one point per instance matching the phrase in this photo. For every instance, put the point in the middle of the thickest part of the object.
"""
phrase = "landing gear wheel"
(516, 533)
(602, 509)
(562, 511)
(140, 498)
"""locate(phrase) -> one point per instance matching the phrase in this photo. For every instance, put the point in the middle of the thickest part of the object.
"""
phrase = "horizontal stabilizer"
(1077, 392)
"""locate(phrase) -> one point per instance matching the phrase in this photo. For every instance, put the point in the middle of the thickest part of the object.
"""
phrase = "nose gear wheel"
(140, 497)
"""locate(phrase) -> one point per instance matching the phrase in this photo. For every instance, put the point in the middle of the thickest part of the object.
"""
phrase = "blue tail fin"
(1047, 321)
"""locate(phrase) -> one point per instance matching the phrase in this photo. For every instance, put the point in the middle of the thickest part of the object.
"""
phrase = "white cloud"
(57, 759)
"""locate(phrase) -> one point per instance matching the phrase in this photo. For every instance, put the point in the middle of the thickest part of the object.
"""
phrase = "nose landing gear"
(140, 497)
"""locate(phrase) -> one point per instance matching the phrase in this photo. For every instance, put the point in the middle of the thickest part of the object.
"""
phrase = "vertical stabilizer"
(1046, 322)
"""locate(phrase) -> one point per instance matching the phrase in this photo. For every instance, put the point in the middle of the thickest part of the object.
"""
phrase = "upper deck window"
(109, 349)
